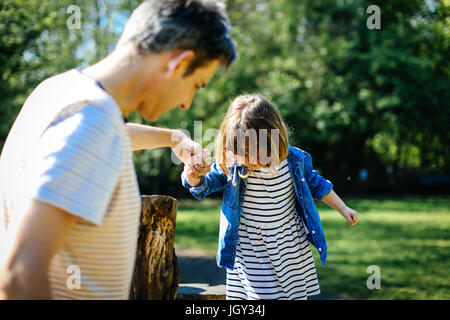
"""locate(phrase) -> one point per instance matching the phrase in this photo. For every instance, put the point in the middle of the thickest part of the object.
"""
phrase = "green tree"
(354, 98)
(35, 43)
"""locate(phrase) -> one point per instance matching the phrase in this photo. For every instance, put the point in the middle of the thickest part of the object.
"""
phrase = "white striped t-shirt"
(69, 147)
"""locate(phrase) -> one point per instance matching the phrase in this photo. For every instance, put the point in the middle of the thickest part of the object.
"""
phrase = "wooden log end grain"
(156, 270)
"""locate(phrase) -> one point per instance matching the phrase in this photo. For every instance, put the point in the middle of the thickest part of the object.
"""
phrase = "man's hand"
(188, 151)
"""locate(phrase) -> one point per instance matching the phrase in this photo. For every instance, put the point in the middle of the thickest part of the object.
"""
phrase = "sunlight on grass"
(198, 225)
(407, 238)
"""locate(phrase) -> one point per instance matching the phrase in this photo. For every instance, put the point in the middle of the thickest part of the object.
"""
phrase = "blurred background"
(371, 107)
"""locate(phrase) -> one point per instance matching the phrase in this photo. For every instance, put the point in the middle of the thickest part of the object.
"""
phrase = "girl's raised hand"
(195, 171)
(350, 215)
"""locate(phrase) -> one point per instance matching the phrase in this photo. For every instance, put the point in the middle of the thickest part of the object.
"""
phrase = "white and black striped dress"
(273, 258)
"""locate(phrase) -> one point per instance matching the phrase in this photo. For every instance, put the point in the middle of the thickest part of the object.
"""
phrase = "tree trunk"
(156, 269)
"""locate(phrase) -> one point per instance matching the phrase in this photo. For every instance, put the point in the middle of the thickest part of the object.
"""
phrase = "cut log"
(156, 270)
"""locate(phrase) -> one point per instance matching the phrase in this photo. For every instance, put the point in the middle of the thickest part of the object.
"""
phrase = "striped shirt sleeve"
(79, 162)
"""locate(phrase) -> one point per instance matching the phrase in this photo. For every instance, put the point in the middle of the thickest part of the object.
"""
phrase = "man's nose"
(187, 104)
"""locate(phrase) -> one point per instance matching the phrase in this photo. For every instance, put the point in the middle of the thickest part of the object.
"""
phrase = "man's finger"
(197, 153)
(206, 156)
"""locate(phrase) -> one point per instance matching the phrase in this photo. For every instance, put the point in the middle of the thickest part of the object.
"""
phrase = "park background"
(370, 105)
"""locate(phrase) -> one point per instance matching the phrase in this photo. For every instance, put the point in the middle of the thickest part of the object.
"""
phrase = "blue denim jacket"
(308, 185)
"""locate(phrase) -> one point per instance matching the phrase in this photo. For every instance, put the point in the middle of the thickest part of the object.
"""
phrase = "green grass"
(409, 239)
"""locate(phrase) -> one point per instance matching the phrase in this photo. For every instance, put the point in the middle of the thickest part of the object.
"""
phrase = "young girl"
(268, 213)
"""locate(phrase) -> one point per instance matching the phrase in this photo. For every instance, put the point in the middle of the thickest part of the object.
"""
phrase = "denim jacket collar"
(235, 168)
(238, 167)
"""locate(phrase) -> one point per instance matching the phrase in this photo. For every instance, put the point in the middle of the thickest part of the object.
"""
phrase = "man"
(70, 204)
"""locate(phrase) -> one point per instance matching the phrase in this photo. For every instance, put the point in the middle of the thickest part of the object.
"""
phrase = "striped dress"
(273, 258)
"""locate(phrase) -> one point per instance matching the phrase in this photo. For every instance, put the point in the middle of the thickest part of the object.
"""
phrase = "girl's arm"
(322, 189)
(318, 185)
(333, 200)
(194, 173)
(200, 183)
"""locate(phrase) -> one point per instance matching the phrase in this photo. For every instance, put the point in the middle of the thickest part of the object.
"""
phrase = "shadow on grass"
(200, 270)
(407, 238)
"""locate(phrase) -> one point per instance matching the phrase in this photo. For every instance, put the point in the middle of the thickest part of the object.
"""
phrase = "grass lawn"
(408, 239)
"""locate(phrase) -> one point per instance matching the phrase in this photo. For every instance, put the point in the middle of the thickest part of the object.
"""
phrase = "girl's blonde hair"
(252, 125)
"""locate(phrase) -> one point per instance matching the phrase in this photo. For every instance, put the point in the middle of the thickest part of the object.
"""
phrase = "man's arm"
(42, 232)
(145, 137)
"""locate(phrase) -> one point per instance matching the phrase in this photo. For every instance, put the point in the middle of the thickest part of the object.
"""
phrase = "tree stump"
(156, 269)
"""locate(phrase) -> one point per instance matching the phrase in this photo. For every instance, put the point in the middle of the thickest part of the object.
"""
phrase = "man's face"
(174, 89)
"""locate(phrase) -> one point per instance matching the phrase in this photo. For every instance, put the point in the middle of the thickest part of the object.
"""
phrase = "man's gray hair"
(199, 25)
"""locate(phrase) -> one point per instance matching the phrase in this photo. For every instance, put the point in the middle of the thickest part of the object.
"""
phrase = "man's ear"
(179, 60)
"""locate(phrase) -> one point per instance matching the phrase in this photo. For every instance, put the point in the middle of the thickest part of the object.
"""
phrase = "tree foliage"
(354, 98)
